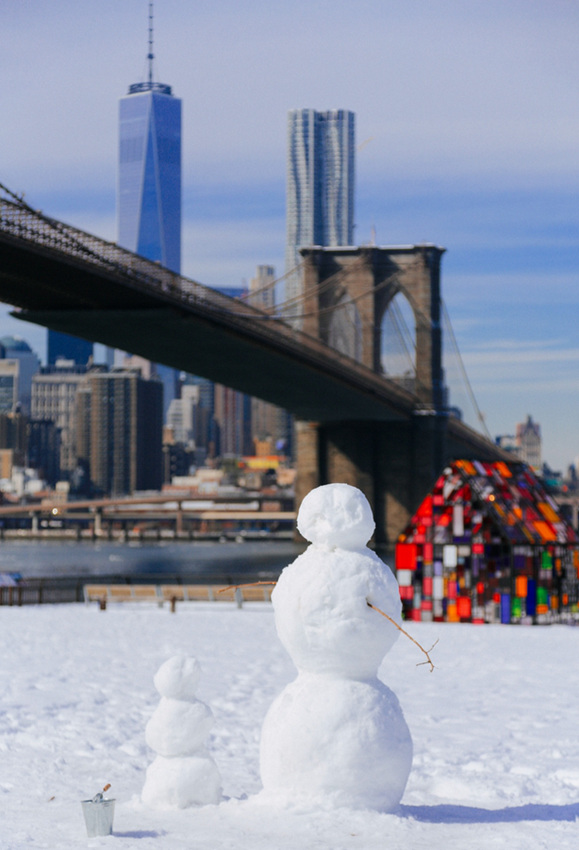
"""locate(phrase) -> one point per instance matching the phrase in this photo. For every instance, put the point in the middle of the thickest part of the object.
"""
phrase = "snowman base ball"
(178, 783)
(341, 739)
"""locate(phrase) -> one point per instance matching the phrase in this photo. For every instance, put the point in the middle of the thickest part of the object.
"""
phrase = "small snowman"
(183, 773)
(337, 732)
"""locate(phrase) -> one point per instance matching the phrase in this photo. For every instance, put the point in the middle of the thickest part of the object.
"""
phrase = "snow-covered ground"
(495, 730)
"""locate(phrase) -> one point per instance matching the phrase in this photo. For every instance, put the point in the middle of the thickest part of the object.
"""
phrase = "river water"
(202, 561)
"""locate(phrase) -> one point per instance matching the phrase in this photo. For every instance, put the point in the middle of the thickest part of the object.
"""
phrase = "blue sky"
(470, 115)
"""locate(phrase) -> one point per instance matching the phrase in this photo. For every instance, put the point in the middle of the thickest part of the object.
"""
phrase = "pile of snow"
(496, 750)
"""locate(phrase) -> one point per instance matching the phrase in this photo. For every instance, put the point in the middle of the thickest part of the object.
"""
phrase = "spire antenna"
(147, 84)
(150, 55)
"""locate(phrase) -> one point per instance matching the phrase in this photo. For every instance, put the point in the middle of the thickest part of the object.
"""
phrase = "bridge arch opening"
(398, 341)
(345, 328)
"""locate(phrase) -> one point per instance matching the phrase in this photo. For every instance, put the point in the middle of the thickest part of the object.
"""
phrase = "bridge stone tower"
(347, 293)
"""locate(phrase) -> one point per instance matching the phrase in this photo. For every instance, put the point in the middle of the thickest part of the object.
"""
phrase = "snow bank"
(496, 750)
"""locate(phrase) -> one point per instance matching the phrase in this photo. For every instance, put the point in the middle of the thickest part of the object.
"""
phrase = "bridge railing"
(24, 223)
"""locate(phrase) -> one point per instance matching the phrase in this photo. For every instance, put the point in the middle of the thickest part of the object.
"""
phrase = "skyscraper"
(149, 188)
(320, 186)
(119, 431)
(149, 179)
(14, 348)
(262, 288)
(54, 391)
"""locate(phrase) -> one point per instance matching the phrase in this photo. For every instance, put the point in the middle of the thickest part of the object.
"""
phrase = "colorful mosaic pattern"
(488, 544)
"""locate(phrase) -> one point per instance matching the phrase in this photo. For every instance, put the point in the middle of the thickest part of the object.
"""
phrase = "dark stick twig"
(249, 584)
(400, 629)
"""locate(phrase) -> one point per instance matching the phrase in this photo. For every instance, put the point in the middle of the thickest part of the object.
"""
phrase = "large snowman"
(336, 732)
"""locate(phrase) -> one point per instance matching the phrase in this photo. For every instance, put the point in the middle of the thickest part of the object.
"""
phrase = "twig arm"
(400, 629)
(249, 584)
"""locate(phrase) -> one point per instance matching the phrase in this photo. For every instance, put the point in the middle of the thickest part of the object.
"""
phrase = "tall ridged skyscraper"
(149, 187)
(149, 179)
(320, 185)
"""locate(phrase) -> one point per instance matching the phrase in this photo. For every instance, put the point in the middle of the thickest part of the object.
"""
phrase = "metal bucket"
(98, 816)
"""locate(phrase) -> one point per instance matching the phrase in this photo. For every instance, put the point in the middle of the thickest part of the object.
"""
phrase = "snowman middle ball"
(322, 615)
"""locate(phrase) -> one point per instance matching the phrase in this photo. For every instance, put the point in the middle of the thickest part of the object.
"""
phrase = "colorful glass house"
(488, 545)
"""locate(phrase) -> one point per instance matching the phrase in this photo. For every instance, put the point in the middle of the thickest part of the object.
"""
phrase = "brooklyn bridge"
(389, 436)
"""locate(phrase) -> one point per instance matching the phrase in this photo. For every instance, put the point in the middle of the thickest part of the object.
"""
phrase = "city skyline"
(468, 141)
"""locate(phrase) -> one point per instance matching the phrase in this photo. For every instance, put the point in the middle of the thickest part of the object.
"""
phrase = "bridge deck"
(73, 282)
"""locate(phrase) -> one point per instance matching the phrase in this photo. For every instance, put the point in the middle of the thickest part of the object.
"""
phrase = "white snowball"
(179, 728)
(322, 616)
(336, 515)
(178, 783)
(343, 740)
(178, 677)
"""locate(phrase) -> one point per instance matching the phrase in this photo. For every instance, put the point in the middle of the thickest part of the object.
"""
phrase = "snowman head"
(336, 516)
(178, 677)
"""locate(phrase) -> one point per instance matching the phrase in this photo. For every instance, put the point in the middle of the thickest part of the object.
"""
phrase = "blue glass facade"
(149, 190)
(149, 184)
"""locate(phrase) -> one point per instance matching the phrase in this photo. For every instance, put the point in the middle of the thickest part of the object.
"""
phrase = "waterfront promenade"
(53, 571)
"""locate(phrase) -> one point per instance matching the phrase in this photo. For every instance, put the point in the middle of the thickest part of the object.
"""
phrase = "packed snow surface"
(496, 749)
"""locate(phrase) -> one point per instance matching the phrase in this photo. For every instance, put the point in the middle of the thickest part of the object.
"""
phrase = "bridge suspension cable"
(400, 339)
(452, 338)
(339, 276)
(404, 354)
(254, 294)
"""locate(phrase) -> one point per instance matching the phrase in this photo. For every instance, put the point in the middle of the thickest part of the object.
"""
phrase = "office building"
(262, 289)
(273, 426)
(13, 439)
(232, 413)
(182, 413)
(528, 443)
(119, 423)
(54, 391)
(320, 189)
(9, 371)
(15, 348)
(44, 449)
(205, 428)
(149, 187)
(149, 180)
